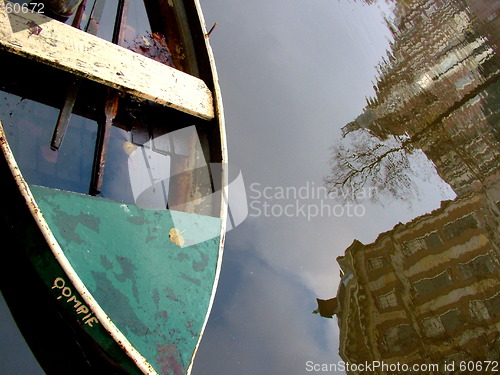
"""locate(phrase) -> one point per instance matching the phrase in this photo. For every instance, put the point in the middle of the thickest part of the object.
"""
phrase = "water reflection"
(437, 91)
(29, 126)
(427, 291)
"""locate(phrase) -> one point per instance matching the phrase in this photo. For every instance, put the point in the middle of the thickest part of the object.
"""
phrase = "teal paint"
(155, 292)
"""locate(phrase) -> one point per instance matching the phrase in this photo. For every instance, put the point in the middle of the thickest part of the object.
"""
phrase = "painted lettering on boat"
(80, 308)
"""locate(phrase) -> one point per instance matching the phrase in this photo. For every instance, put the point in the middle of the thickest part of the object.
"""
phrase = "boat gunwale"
(219, 115)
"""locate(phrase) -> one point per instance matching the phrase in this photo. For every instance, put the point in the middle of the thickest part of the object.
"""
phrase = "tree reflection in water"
(427, 291)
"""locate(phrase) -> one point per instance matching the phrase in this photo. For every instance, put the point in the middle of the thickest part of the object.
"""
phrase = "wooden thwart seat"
(64, 47)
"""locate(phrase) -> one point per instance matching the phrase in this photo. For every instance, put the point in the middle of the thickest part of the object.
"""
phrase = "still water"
(399, 98)
(367, 133)
(428, 291)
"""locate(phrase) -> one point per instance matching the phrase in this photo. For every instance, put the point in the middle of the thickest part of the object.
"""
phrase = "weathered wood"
(102, 140)
(85, 55)
(65, 114)
(110, 110)
(120, 22)
(95, 17)
(77, 21)
(169, 18)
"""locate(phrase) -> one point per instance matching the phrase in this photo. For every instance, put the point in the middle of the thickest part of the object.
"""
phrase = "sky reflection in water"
(409, 93)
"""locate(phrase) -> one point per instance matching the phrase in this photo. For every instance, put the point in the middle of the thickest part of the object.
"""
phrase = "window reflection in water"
(428, 291)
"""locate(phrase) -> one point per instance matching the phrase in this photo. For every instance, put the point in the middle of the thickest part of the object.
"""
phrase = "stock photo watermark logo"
(169, 171)
(308, 201)
(29, 13)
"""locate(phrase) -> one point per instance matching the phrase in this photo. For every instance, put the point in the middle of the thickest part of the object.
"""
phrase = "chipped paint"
(56, 259)
(149, 291)
(176, 237)
(108, 263)
(62, 46)
(169, 359)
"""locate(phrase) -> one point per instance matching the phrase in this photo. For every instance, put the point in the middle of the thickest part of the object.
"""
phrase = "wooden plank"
(85, 55)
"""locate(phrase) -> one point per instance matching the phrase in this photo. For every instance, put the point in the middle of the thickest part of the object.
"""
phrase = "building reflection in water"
(428, 291)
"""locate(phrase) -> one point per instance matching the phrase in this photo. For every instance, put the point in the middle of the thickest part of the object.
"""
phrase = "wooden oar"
(110, 110)
(79, 14)
(74, 87)
(103, 131)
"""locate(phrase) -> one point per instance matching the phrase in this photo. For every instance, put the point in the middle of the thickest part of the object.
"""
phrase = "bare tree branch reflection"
(429, 110)
(361, 160)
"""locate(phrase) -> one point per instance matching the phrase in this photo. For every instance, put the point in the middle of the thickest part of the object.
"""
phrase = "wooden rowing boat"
(113, 170)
